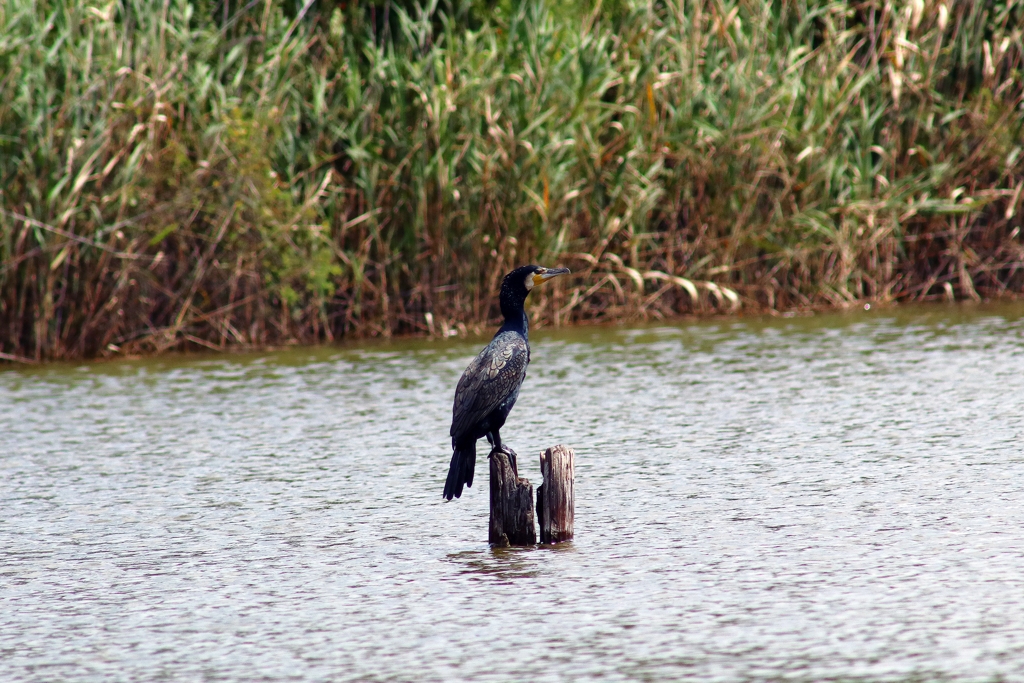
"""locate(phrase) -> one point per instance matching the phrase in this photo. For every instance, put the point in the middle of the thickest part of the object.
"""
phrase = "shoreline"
(482, 332)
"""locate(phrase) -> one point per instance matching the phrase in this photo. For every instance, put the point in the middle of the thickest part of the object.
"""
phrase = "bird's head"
(518, 284)
(524, 278)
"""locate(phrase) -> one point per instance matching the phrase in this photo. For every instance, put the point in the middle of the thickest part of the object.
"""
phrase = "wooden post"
(555, 504)
(511, 504)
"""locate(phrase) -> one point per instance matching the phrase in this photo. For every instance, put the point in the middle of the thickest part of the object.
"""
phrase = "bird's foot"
(511, 454)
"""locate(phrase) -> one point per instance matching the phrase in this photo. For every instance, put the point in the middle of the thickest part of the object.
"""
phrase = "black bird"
(490, 385)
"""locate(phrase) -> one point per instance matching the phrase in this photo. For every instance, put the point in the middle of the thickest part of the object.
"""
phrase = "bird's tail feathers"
(460, 472)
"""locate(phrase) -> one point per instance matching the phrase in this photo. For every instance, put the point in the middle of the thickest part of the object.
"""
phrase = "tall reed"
(175, 174)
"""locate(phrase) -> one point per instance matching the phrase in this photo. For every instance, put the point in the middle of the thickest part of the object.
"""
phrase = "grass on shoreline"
(177, 175)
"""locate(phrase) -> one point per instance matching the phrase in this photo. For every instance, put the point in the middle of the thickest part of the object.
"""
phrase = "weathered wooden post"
(555, 504)
(511, 503)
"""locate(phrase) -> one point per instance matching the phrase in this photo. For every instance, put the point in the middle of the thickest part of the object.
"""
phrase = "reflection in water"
(825, 498)
(506, 564)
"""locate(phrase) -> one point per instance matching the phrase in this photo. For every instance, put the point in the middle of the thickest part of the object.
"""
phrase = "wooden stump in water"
(555, 503)
(511, 503)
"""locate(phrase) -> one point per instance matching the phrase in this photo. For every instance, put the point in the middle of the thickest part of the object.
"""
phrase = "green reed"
(175, 174)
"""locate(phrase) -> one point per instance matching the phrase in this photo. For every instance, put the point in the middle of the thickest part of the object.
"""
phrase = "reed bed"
(177, 175)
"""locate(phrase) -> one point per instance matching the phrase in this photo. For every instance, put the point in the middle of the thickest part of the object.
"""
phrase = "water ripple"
(836, 497)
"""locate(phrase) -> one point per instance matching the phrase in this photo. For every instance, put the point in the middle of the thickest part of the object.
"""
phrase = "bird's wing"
(490, 379)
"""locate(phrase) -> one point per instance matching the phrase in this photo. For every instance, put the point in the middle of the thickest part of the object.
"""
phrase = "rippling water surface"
(835, 497)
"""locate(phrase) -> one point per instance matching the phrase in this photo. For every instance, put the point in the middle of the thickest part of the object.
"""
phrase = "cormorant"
(490, 385)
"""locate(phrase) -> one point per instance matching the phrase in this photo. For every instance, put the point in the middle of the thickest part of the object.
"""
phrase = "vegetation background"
(177, 174)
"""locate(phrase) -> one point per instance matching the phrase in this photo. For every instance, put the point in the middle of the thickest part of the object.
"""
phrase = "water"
(825, 498)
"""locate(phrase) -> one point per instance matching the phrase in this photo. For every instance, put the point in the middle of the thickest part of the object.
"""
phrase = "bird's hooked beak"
(542, 275)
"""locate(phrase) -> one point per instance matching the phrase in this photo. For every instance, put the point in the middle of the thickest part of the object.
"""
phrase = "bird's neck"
(515, 320)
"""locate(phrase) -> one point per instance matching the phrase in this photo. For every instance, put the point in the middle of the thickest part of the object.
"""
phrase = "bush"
(176, 174)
